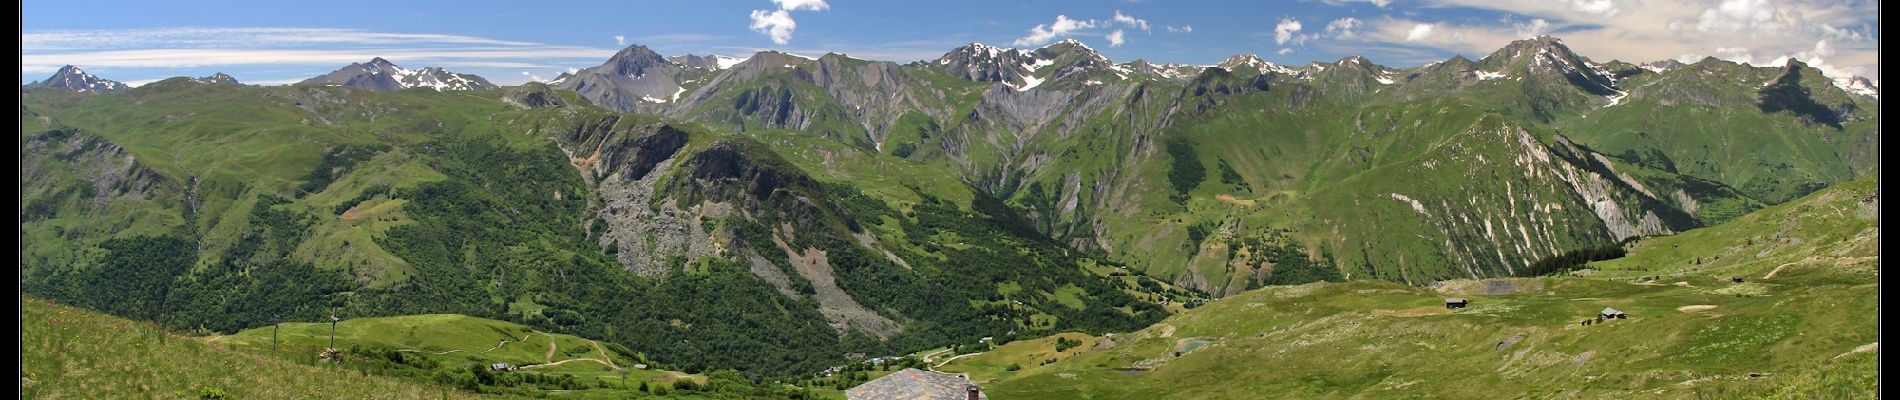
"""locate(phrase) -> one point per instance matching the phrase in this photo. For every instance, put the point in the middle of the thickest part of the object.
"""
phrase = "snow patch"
(1485, 76)
(1857, 85)
(727, 62)
(1029, 82)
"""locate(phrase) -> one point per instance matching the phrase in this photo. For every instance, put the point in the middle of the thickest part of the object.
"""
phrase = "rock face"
(534, 95)
(634, 79)
(983, 63)
(73, 79)
(217, 79)
(107, 173)
(381, 75)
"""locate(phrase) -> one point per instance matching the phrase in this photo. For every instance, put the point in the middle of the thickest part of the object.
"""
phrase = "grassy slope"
(464, 339)
(73, 353)
(1798, 330)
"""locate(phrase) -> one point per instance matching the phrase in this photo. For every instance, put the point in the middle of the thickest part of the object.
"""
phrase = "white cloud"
(1131, 21)
(1045, 33)
(572, 70)
(813, 5)
(1380, 3)
(1182, 29)
(1736, 54)
(1287, 29)
(1603, 8)
(102, 39)
(1419, 32)
(620, 40)
(1755, 17)
(1533, 29)
(1115, 38)
(309, 49)
(1642, 31)
(1343, 28)
(1284, 50)
(775, 24)
(532, 77)
(524, 57)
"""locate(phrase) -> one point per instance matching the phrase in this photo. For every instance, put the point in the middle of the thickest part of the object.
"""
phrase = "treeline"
(1570, 260)
(1291, 265)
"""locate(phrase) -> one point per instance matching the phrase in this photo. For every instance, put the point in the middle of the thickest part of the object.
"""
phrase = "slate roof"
(913, 384)
(1610, 311)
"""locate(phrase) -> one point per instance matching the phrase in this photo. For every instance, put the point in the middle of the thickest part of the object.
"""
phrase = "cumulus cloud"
(1062, 27)
(1287, 29)
(1756, 17)
(813, 5)
(1284, 50)
(1603, 8)
(1642, 31)
(1115, 38)
(1130, 21)
(620, 40)
(1419, 32)
(1343, 28)
(1181, 29)
(779, 25)
(775, 24)
(1533, 29)
(532, 77)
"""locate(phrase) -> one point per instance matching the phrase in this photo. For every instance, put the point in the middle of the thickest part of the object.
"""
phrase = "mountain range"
(774, 213)
(381, 75)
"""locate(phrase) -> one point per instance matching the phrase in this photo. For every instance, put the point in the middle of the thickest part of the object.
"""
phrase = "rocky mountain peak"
(381, 75)
(1662, 66)
(217, 78)
(74, 79)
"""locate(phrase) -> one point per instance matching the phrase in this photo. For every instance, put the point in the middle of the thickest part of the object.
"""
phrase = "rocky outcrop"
(532, 96)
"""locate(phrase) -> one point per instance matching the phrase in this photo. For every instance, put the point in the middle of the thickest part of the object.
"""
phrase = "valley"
(1047, 221)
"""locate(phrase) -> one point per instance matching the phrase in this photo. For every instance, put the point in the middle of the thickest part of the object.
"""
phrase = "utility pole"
(333, 320)
(275, 319)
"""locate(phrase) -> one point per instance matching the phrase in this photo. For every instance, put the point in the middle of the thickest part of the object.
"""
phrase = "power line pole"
(333, 320)
(275, 319)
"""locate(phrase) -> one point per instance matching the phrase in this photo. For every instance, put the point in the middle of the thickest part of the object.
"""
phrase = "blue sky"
(513, 42)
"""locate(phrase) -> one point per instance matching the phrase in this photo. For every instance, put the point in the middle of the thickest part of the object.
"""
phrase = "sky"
(508, 42)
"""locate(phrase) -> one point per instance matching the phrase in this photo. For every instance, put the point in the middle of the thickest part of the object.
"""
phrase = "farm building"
(500, 367)
(1611, 313)
(1456, 303)
(916, 384)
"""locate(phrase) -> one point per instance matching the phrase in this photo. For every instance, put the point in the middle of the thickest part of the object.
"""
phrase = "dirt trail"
(549, 358)
(1695, 308)
(603, 354)
(1771, 274)
(568, 361)
(504, 342)
(948, 360)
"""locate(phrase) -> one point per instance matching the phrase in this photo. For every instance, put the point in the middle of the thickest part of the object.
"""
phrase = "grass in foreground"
(73, 353)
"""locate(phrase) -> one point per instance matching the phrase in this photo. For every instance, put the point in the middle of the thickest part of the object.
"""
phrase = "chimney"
(975, 393)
